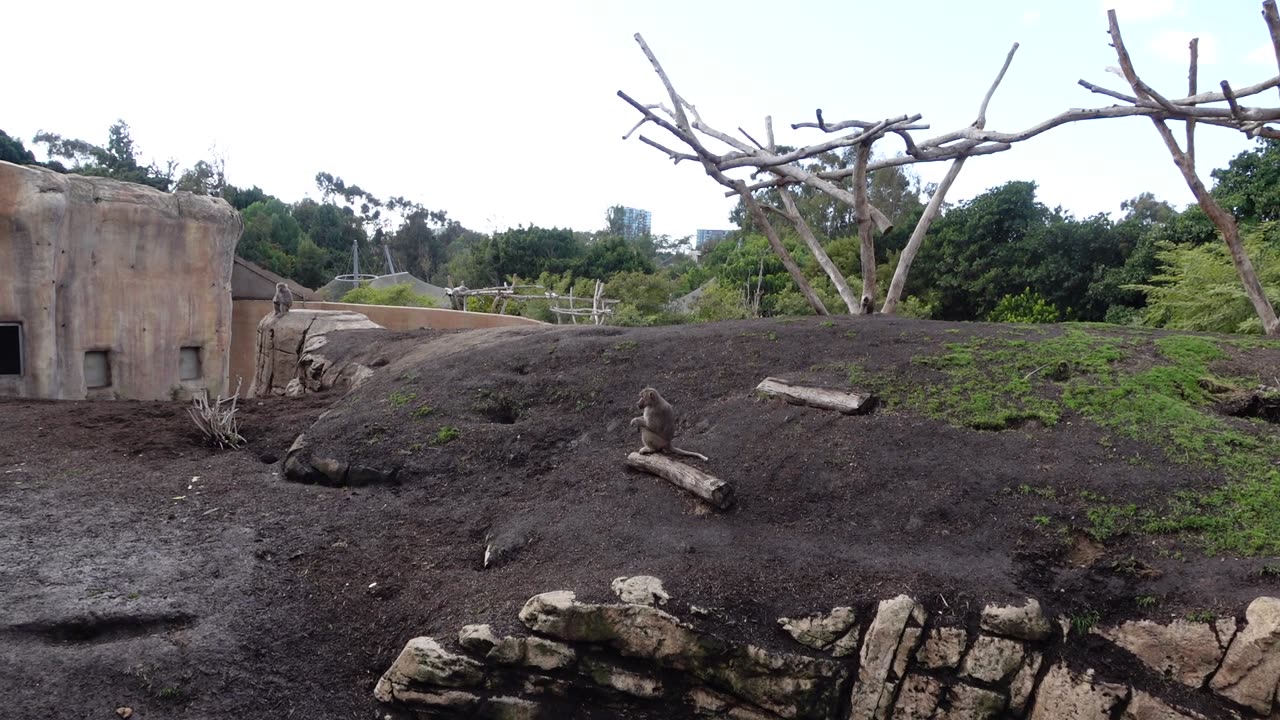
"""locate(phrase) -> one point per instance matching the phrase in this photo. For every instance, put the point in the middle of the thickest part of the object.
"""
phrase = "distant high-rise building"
(706, 237)
(635, 223)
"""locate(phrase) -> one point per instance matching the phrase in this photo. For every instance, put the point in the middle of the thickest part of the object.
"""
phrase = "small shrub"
(1081, 624)
(1026, 307)
(422, 411)
(445, 435)
(400, 398)
(401, 295)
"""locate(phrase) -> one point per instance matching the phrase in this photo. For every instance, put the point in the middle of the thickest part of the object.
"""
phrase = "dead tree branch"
(1223, 220)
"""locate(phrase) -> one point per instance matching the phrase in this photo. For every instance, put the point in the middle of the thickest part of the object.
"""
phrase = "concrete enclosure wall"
(248, 313)
(114, 280)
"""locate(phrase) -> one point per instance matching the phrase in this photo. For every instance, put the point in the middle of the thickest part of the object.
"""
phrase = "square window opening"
(189, 364)
(10, 348)
(97, 369)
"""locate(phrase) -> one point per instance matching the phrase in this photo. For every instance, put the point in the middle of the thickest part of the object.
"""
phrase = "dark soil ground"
(139, 569)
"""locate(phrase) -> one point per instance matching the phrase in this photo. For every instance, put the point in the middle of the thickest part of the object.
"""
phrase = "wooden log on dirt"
(712, 489)
(838, 400)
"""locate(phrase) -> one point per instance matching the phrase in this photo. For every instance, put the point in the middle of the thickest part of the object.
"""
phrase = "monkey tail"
(686, 453)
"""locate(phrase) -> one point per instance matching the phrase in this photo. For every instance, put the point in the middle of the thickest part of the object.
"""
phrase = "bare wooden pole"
(1223, 220)
(1272, 18)
(866, 239)
(757, 214)
(819, 253)
(908, 256)
(898, 285)
(1191, 87)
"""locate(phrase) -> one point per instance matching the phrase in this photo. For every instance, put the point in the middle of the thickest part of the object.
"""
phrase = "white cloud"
(1262, 55)
(1030, 17)
(1142, 9)
(1172, 46)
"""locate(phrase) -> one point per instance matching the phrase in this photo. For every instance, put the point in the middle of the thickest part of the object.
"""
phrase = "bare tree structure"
(600, 307)
(720, 153)
(1253, 122)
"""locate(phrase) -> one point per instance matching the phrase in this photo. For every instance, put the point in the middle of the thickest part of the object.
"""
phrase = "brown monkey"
(658, 426)
(283, 299)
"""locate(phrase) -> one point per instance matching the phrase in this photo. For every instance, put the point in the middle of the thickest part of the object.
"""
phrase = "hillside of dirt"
(1095, 468)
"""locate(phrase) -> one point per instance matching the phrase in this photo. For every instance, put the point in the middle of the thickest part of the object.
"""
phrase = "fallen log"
(709, 488)
(845, 402)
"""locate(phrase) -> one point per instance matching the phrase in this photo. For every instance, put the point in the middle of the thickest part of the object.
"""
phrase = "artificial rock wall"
(125, 272)
(892, 662)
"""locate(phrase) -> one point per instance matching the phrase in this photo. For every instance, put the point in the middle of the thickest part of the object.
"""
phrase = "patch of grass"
(827, 323)
(1108, 521)
(625, 345)
(422, 411)
(1204, 616)
(1146, 602)
(1267, 571)
(170, 693)
(134, 595)
(1083, 622)
(857, 375)
(1047, 493)
(850, 334)
(1041, 520)
(445, 435)
(400, 398)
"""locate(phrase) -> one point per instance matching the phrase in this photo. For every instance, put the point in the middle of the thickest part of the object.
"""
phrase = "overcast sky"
(505, 113)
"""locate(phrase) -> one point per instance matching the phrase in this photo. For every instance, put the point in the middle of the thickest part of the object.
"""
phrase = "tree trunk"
(712, 489)
(908, 256)
(1226, 224)
(865, 228)
(833, 272)
(757, 213)
(838, 400)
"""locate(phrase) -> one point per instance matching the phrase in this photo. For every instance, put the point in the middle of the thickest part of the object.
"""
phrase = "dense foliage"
(1001, 255)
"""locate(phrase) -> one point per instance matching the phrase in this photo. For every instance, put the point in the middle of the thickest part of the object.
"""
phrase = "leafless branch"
(981, 122)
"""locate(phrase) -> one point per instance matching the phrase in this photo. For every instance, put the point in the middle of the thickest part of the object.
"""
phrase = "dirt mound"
(144, 570)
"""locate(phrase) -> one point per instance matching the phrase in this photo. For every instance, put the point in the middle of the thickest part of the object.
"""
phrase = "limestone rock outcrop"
(1250, 673)
(291, 347)
(584, 655)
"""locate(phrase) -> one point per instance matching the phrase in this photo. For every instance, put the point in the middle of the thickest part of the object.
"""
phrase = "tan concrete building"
(111, 289)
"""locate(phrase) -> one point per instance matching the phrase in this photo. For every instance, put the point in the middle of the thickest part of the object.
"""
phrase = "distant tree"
(1249, 187)
(204, 178)
(270, 237)
(524, 252)
(610, 255)
(240, 198)
(118, 160)
(311, 264)
(12, 150)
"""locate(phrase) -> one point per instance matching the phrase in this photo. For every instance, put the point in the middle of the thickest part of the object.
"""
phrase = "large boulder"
(291, 347)
(1182, 650)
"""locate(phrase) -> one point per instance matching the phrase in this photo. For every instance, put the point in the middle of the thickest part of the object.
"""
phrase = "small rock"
(478, 638)
(992, 659)
(1251, 670)
(1147, 707)
(918, 698)
(640, 590)
(942, 648)
(425, 661)
(1024, 683)
(125, 712)
(847, 645)
(1026, 622)
(820, 631)
(878, 654)
(532, 652)
(624, 681)
(971, 703)
(1063, 694)
(1182, 650)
